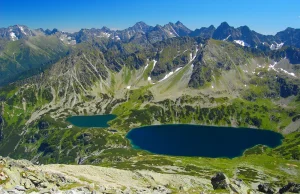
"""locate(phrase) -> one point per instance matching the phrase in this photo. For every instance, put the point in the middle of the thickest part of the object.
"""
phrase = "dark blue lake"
(205, 141)
(91, 121)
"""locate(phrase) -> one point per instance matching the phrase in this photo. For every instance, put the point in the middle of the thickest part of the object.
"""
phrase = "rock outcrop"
(266, 188)
(21, 176)
(220, 181)
(290, 187)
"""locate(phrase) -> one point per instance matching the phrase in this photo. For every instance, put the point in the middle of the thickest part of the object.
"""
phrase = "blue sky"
(264, 16)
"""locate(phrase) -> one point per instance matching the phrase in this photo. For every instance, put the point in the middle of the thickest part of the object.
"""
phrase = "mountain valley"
(145, 75)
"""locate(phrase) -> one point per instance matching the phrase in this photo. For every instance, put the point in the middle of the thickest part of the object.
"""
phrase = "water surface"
(205, 141)
(91, 121)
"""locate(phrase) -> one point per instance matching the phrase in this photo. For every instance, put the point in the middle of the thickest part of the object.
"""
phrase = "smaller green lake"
(91, 121)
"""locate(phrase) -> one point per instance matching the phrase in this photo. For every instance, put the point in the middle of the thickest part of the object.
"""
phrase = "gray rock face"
(19, 176)
(15, 32)
(20, 188)
(290, 187)
(265, 188)
(219, 181)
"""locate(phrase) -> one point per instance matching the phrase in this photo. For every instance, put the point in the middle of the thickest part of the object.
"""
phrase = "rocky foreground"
(21, 176)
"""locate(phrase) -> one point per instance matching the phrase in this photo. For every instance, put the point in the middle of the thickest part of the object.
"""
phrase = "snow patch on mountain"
(146, 66)
(241, 42)
(154, 63)
(286, 72)
(272, 67)
(170, 74)
(191, 57)
(166, 76)
(174, 32)
(116, 37)
(104, 35)
(13, 36)
(227, 37)
(196, 51)
(276, 46)
(178, 69)
(22, 30)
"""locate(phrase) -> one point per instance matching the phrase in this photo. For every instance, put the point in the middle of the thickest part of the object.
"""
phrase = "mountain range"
(23, 49)
(224, 31)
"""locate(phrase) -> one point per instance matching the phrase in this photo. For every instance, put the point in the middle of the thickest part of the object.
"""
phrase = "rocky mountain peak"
(179, 23)
(289, 29)
(211, 27)
(50, 32)
(157, 27)
(178, 28)
(105, 29)
(224, 31)
(140, 24)
(141, 27)
(224, 25)
(15, 32)
(245, 28)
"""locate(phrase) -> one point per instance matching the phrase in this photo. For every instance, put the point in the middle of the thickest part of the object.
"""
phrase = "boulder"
(3, 176)
(20, 188)
(27, 184)
(266, 188)
(34, 179)
(2, 161)
(290, 187)
(219, 181)
(45, 185)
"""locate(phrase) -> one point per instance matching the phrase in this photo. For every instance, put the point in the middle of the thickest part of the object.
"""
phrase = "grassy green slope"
(18, 57)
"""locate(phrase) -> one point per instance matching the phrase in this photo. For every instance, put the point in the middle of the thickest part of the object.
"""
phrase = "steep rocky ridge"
(24, 52)
(21, 176)
(203, 32)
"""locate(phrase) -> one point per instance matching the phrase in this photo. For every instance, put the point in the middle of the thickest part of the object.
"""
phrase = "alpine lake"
(189, 140)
